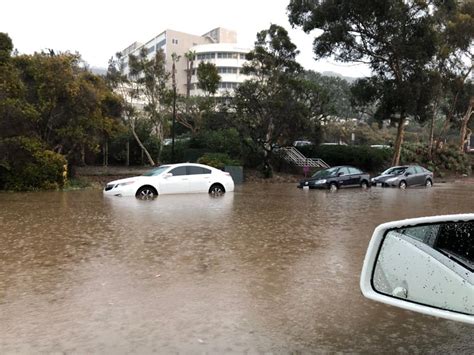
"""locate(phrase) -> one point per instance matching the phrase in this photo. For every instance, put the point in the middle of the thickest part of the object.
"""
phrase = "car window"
(157, 171)
(455, 240)
(197, 170)
(424, 234)
(411, 170)
(344, 171)
(354, 171)
(180, 170)
(418, 169)
(394, 171)
(325, 173)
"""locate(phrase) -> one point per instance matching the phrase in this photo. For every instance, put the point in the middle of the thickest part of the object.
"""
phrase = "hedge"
(27, 165)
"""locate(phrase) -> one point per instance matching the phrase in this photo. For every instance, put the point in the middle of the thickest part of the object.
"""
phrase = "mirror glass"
(430, 264)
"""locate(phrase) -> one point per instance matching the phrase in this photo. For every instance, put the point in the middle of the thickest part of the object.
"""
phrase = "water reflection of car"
(172, 179)
(336, 177)
(404, 176)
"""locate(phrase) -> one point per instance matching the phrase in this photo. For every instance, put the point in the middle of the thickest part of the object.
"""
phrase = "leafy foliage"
(404, 42)
(208, 77)
(61, 107)
(217, 160)
(447, 159)
(277, 105)
(27, 165)
(363, 157)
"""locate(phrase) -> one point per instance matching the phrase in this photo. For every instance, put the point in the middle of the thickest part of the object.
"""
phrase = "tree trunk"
(150, 159)
(127, 157)
(399, 139)
(106, 152)
(464, 123)
(267, 168)
(432, 124)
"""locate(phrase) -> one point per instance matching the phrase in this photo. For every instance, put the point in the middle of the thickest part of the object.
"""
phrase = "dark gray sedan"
(404, 176)
(335, 178)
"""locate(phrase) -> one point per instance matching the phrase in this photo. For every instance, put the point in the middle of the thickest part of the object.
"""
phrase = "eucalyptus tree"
(151, 80)
(208, 78)
(276, 104)
(193, 110)
(144, 92)
(397, 39)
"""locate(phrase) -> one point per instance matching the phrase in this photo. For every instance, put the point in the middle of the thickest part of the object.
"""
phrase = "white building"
(218, 46)
(228, 58)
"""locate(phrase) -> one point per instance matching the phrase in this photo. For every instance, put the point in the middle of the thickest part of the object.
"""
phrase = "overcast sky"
(99, 28)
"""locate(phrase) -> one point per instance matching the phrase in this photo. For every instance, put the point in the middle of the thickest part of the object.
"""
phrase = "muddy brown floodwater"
(268, 268)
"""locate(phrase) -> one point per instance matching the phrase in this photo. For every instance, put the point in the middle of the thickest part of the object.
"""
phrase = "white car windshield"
(157, 171)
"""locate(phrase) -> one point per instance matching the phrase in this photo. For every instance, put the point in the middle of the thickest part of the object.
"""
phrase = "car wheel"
(429, 183)
(216, 189)
(364, 184)
(333, 186)
(146, 193)
(402, 185)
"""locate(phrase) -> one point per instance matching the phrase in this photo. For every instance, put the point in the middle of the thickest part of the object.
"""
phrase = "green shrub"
(219, 141)
(217, 160)
(363, 157)
(28, 166)
(447, 159)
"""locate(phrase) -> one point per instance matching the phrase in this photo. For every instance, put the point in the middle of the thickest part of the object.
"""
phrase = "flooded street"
(268, 268)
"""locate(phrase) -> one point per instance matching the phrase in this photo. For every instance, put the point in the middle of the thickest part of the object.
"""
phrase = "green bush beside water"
(217, 160)
(364, 157)
(27, 165)
(447, 159)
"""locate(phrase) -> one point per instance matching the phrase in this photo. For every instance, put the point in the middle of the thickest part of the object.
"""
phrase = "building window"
(228, 85)
(242, 56)
(151, 49)
(205, 56)
(227, 70)
(227, 55)
(160, 44)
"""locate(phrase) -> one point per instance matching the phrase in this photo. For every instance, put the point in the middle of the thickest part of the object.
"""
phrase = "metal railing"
(293, 155)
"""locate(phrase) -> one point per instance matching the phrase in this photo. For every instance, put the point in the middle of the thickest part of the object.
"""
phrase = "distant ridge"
(350, 79)
(98, 70)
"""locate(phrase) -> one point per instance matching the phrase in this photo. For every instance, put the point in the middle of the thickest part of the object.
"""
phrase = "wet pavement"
(268, 268)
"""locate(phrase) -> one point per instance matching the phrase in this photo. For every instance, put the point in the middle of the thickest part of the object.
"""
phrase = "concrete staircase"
(294, 156)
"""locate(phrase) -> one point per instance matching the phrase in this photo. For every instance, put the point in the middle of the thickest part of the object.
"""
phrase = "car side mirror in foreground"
(424, 265)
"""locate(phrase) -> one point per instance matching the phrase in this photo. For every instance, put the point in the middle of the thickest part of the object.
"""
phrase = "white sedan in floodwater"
(172, 179)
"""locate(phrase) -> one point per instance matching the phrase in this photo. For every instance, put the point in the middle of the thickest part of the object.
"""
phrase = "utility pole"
(174, 58)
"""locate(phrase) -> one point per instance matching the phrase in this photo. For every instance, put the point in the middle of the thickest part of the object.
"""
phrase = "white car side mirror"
(167, 175)
(424, 265)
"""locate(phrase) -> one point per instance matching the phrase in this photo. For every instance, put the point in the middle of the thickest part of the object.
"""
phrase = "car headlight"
(373, 179)
(322, 181)
(126, 183)
(391, 180)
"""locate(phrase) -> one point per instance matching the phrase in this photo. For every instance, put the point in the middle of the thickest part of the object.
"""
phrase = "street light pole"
(174, 58)
(174, 121)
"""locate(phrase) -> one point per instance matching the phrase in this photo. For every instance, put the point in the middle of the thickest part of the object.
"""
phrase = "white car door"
(199, 178)
(175, 184)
